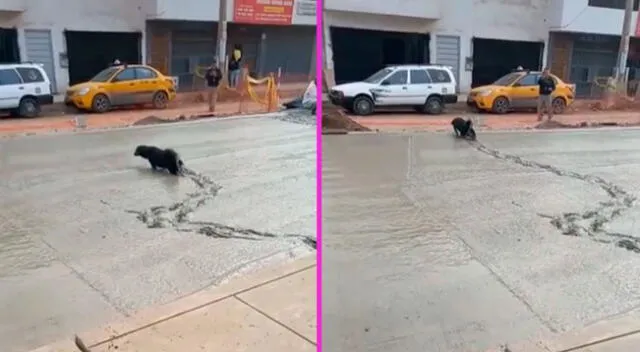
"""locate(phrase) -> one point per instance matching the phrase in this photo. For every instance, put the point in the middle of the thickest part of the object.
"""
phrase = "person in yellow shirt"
(235, 66)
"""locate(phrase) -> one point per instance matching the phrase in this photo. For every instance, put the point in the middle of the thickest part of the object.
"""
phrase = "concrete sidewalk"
(272, 311)
(620, 334)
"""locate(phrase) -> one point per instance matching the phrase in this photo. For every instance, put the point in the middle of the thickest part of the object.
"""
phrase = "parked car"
(519, 90)
(24, 88)
(425, 88)
(122, 85)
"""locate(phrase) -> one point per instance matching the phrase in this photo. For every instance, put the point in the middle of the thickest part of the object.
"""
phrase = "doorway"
(90, 52)
(9, 49)
(358, 53)
(493, 58)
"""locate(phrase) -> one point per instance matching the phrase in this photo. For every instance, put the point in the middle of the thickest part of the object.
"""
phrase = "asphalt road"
(75, 252)
(432, 243)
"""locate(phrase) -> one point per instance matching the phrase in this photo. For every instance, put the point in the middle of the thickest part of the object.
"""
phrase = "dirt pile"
(151, 120)
(552, 124)
(335, 120)
(615, 102)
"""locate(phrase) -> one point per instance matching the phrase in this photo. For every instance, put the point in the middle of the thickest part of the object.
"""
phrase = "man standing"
(546, 86)
(213, 77)
(234, 66)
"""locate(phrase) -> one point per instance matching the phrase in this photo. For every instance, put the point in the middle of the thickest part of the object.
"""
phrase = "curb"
(419, 129)
(155, 315)
(33, 134)
(592, 336)
(598, 333)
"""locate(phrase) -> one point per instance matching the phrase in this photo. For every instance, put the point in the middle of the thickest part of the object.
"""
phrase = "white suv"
(24, 88)
(425, 88)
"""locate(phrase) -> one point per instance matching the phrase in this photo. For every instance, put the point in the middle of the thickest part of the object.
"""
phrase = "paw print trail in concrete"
(592, 223)
(177, 216)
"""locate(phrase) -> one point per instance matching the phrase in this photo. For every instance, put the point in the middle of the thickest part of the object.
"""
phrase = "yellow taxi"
(122, 85)
(519, 90)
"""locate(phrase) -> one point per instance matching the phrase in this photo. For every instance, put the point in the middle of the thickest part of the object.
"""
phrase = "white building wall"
(523, 20)
(207, 10)
(577, 16)
(424, 9)
(58, 15)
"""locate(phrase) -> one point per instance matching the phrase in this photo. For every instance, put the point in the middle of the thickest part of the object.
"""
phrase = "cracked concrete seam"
(177, 216)
(591, 223)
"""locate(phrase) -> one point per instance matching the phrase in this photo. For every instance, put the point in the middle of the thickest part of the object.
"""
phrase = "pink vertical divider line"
(319, 54)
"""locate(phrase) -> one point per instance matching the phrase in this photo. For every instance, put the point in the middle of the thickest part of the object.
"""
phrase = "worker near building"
(213, 78)
(546, 86)
(235, 64)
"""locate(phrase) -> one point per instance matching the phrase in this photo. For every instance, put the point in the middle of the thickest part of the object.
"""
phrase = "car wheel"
(500, 105)
(434, 106)
(362, 106)
(100, 104)
(160, 100)
(558, 105)
(29, 107)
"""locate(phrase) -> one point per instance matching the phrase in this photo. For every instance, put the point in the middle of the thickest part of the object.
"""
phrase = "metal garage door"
(448, 54)
(191, 50)
(39, 50)
(290, 49)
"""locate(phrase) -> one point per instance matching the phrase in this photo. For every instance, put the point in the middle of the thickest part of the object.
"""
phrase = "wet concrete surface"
(439, 243)
(89, 233)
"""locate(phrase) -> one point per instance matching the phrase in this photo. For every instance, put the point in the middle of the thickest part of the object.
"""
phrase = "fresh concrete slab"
(65, 202)
(433, 241)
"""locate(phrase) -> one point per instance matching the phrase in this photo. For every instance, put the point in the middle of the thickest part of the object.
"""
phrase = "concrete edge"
(408, 131)
(157, 125)
(580, 340)
(597, 333)
(155, 315)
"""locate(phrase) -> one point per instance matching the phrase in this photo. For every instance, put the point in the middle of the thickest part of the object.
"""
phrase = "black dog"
(161, 158)
(463, 128)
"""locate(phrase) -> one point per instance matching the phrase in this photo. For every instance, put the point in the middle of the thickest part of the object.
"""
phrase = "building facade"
(461, 33)
(181, 36)
(585, 39)
(38, 30)
(75, 39)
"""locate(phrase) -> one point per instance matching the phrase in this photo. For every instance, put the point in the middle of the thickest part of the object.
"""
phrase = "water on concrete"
(435, 243)
(89, 233)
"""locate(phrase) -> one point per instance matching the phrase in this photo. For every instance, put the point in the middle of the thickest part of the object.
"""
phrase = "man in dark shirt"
(546, 86)
(213, 78)
(235, 66)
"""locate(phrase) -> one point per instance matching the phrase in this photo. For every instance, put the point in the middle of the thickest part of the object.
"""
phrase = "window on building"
(30, 75)
(439, 76)
(145, 73)
(9, 77)
(128, 74)
(398, 78)
(613, 4)
(420, 77)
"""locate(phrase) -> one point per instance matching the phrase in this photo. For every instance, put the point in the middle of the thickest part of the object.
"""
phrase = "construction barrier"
(246, 89)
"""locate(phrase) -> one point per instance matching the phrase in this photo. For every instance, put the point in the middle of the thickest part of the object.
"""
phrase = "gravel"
(299, 116)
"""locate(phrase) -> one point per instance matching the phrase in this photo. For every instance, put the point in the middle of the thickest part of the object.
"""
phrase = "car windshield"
(104, 75)
(378, 76)
(507, 79)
